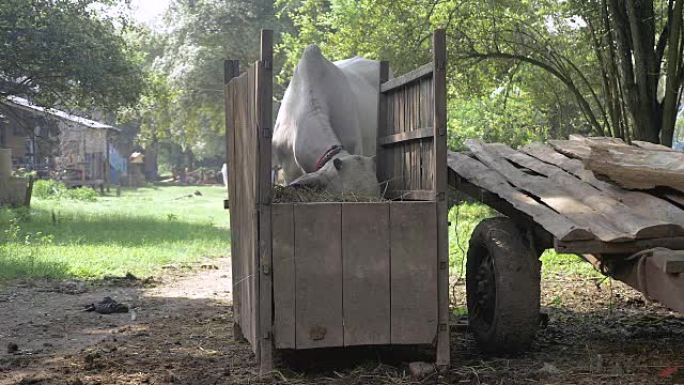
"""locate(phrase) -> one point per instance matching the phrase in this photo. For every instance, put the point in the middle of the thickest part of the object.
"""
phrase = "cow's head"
(344, 174)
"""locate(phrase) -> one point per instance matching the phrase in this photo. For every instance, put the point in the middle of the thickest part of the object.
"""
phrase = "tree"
(619, 62)
(62, 52)
(493, 100)
(205, 33)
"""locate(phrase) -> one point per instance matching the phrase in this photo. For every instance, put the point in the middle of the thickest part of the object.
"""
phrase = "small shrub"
(48, 189)
(52, 189)
(81, 194)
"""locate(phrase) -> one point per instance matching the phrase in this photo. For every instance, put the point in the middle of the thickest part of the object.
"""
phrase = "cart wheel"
(502, 285)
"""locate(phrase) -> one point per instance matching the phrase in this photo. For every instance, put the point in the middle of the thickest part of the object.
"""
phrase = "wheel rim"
(485, 291)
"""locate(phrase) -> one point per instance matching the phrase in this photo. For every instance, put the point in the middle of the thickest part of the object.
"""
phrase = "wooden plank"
(284, 279)
(318, 269)
(582, 206)
(264, 101)
(251, 180)
(231, 69)
(669, 261)
(407, 78)
(598, 247)
(650, 146)
(639, 202)
(636, 168)
(411, 195)
(572, 148)
(383, 155)
(488, 179)
(414, 260)
(440, 186)
(366, 273)
(611, 208)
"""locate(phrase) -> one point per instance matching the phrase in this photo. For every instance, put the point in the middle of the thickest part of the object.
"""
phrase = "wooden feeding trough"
(340, 274)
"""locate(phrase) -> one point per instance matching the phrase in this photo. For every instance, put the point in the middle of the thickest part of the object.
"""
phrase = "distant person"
(224, 174)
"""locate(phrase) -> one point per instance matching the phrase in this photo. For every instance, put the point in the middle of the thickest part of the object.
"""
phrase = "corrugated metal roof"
(26, 105)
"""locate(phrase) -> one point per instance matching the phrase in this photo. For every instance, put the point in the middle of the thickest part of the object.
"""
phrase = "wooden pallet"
(582, 213)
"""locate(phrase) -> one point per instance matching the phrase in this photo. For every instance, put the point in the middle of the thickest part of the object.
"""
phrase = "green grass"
(146, 228)
(466, 216)
(138, 232)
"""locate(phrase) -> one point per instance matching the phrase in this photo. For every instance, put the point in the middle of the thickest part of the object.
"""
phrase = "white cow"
(326, 131)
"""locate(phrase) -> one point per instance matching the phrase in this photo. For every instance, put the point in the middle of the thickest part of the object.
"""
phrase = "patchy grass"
(466, 216)
(137, 232)
(146, 228)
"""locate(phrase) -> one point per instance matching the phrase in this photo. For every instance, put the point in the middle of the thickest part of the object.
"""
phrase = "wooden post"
(382, 157)
(5, 163)
(440, 187)
(231, 69)
(264, 125)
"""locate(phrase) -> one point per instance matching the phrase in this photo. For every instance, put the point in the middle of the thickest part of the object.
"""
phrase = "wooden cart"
(551, 201)
(339, 274)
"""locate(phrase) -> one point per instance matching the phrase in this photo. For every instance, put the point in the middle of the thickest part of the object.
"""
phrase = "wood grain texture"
(407, 78)
(587, 207)
(244, 232)
(413, 272)
(366, 273)
(650, 146)
(284, 278)
(488, 179)
(264, 103)
(318, 268)
(440, 186)
(637, 168)
(609, 206)
(639, 202)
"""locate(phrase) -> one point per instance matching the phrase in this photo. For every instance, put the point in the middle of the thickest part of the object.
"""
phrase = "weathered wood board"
(550, 185)
(349, 274)
(637, 168)
(318, 274)
(284, 278)
(413, 272)
(366, 273)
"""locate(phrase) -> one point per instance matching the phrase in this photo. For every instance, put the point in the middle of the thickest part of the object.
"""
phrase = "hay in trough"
(287, 194)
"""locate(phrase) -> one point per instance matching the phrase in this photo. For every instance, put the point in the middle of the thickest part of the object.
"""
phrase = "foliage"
(497, 101)
(52, 189)
(65, 52)
(569, 62)
(114, 235)
(184, 104)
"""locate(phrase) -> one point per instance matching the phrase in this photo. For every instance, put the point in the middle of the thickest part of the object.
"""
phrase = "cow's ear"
(338, 163)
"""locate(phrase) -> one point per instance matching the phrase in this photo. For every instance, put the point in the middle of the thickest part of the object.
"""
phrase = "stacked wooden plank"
(551, 186)
(641, 166)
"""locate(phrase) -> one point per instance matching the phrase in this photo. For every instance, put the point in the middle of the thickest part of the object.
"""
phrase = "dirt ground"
(180, 331)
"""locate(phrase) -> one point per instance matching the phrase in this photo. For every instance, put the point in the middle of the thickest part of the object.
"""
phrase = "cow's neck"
(316, 138)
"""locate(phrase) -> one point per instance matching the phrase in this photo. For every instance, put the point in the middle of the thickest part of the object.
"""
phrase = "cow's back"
(364, 79)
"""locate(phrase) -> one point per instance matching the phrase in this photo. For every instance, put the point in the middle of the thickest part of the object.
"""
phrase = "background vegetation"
(137, 232)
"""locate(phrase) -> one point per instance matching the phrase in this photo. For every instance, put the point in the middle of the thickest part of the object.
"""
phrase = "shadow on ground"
(182, 333)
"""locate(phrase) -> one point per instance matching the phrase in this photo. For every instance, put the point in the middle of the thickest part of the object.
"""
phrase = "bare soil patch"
(179, 330)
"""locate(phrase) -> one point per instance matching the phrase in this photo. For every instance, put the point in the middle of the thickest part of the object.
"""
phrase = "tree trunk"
(670, 105)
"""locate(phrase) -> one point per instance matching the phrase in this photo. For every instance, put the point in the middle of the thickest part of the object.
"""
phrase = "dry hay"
(287, 194)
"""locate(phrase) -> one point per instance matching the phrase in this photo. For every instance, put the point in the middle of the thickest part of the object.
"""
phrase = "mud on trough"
(179, 330)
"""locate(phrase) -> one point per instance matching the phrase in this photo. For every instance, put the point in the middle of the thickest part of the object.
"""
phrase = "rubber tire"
(514, 317)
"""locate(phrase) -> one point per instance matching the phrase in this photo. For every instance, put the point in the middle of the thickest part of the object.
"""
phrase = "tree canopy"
(66, 52)
(539, 68)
